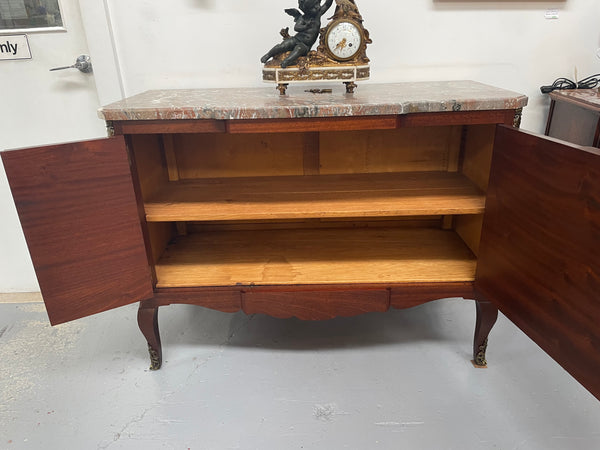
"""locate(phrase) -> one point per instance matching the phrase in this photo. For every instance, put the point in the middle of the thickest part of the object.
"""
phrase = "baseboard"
(21, 297)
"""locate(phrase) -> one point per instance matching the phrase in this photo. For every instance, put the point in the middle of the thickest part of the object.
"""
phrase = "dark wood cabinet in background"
(574, 116)
(334, 214)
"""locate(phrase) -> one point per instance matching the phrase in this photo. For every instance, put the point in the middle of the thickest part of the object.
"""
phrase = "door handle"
(82, 63)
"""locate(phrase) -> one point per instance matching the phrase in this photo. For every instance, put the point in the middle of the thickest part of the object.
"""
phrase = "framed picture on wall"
(30, 15)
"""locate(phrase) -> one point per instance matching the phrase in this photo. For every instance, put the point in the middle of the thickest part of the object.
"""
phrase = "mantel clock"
(340, 55)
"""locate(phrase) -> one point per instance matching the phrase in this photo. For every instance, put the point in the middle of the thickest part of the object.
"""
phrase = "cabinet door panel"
(79, 215)
(539, 259)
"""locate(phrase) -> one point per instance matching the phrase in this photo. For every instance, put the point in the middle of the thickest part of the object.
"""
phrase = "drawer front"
(225, 300)
(315, 304)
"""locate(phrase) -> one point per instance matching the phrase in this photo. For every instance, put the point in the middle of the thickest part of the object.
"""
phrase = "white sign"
(14, 46)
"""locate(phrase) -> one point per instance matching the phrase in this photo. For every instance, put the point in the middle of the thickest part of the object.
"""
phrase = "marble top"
(267, 103)
(587, 98)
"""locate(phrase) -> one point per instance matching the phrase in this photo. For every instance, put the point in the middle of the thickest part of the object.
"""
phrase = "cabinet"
(574, 116)
(317, 206)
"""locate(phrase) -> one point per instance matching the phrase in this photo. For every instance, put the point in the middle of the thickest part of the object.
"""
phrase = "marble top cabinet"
(574, 116)
(315, 206)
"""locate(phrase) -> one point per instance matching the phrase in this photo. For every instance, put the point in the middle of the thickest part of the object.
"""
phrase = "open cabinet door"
(539, 259)
(80, 218)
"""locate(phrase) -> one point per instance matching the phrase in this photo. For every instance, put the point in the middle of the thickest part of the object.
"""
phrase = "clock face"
(344, 40)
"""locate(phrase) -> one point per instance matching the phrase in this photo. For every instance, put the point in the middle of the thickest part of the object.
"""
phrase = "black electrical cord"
(564, 83)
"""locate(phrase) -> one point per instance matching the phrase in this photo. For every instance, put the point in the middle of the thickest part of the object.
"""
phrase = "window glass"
(20, 14)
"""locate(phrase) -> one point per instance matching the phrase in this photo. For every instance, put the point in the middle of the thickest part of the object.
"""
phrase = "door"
(539, 259)
(80, 217)
(41, 107)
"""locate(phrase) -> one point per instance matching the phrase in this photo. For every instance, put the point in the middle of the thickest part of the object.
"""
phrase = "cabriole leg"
(487, 313)
(148, 323)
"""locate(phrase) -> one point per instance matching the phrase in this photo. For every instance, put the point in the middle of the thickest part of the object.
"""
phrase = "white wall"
(218, 43)
(210, 43)
(41, 107)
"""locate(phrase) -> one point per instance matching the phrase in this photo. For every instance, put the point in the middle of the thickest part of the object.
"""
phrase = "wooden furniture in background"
(574, 116)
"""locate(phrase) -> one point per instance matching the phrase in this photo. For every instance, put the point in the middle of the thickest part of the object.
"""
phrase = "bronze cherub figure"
(307, 26)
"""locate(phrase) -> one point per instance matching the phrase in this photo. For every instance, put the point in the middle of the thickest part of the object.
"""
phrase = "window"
(29, 14)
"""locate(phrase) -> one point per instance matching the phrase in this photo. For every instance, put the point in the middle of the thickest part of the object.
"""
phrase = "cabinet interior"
(321, 207)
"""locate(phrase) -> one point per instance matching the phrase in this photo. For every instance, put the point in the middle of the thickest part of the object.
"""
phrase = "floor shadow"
(441, 320)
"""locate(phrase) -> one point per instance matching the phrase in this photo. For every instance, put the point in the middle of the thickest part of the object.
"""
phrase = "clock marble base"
(348, 74)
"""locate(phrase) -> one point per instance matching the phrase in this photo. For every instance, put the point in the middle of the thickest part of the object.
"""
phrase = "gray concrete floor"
(399, 380)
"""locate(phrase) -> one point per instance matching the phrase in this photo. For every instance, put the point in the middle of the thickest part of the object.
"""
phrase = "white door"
(40, 107)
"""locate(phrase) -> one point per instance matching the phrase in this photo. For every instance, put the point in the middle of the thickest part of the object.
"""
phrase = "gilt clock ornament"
(340, 55)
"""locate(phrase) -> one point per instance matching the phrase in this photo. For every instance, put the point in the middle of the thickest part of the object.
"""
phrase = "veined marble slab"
(586, 98)
(267, 103)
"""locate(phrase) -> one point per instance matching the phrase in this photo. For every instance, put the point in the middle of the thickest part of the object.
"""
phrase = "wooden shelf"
(316, 196)
(309, 256)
